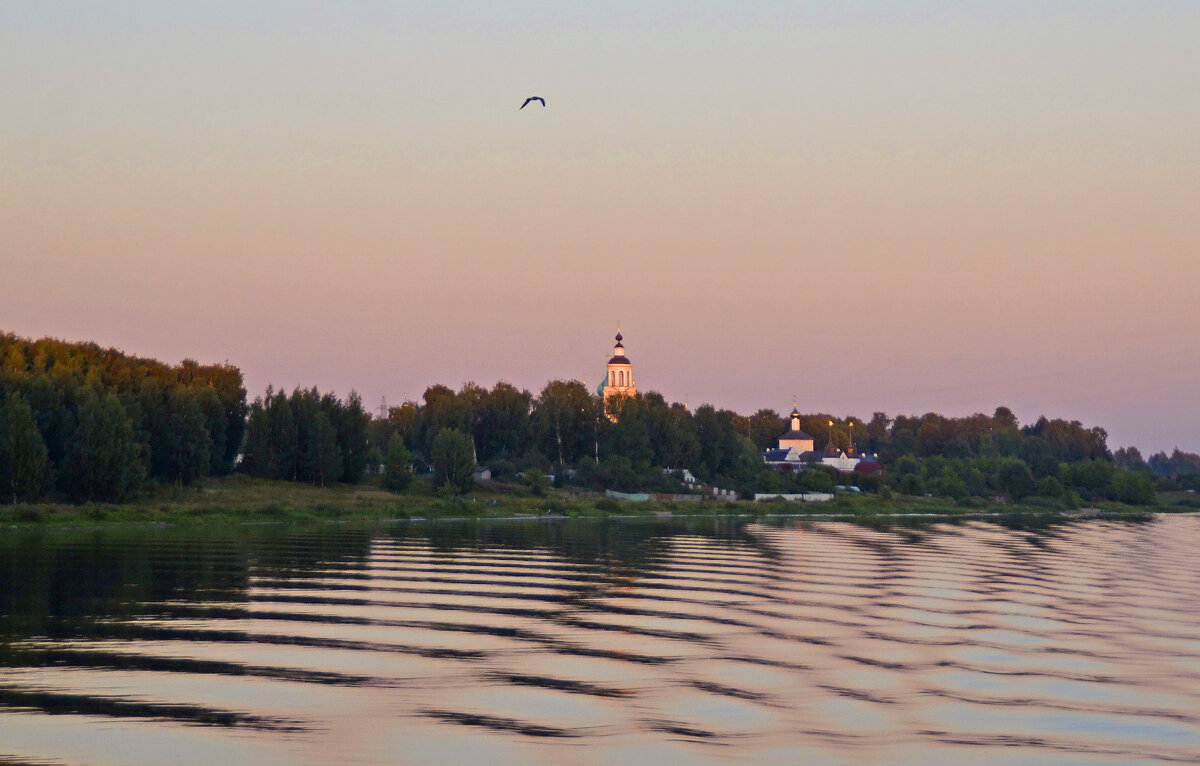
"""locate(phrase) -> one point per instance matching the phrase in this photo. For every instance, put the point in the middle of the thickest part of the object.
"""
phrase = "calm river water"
(602, 643)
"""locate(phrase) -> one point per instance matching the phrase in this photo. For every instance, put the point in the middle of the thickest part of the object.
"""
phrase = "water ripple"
(707, 642)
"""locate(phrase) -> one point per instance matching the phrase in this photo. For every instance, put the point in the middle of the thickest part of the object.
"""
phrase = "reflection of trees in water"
(618, 544)
(67, 576)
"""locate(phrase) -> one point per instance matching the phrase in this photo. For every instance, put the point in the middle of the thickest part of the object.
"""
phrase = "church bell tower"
(620, 372)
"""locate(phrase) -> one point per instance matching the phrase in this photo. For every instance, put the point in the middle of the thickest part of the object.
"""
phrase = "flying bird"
(533, 98)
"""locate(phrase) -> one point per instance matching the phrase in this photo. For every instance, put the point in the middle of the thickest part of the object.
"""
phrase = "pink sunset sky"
(902, 207)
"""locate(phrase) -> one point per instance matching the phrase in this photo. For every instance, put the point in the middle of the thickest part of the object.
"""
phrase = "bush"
(1130, 487)
(868, 482)
(1015, 479)
(1051, 488)
(608, 504)
(618, 472)
(814, 480)
(911, 484)
(537, 482)
(1089, 477)
(948, 484)
(769, 481)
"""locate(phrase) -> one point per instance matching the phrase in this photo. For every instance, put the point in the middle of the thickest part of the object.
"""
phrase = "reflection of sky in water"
(522, 644)
(1099, 729)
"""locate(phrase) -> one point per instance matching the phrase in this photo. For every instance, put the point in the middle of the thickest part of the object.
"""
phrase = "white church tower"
(620, 373)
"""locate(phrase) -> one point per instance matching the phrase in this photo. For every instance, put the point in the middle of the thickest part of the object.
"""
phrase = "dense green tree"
(503, 427)
(910, 484)
(351, 425)
(723, 456)
(769, 481)
(1052, 488)
(316, 437)
(1015, 479)
(905, 466)
(52, 375)
(397, 466)
(764, 428)
(1039, 456)
(54, 404)
(284, 438)
(680, 442)
(618, 472)
(1090, 478)
(876, 433)
(630, 436)
(321, 459)
(1070, 441)
(1176, 465)
(258, 456)
(187, 440)
(106, 462)
(937, 435)
(1129, 458)
(406, 421)
(453, 460)
(216, 426)
(1005, 419)
(976, 479)
(23, 455)
(949, 484)
(566, 421)
(442, 410)
(307, 436)
(1131, 487)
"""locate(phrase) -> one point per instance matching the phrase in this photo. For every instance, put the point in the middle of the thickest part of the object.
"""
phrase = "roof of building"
(795, 434)
(831, 450)
(619, 360)
(780, 455)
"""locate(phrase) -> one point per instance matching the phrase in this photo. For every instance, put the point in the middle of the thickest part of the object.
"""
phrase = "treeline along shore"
(84, 424)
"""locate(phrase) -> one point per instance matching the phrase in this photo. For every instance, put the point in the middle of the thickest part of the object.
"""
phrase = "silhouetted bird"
(533, 98)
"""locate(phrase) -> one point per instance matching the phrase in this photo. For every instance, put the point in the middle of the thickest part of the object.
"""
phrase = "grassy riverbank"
(239, 499)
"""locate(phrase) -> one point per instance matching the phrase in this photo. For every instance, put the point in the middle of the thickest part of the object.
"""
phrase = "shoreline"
(239, 500)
